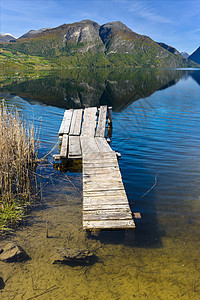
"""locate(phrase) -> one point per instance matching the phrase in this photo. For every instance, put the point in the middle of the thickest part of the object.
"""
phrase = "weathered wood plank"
(95, 186)
(75, 127)
(99, 155)
(115, 176)
(107, 216)
(98, 212)
(88, 145)
(101, 160)
(103, 194)
(100, 132)
(112, 224)
(100, 180)
(104, 172)
(115, 198)
(103, 145)
(137, 215)
(65, 125)
(56, 156)
(64, 146)
(89, 122)
(100, 165)
(106, 206)
(94, 205)
(74, 147)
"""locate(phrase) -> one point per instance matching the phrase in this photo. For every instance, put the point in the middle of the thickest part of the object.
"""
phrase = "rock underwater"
(72, 256)
(13, 253)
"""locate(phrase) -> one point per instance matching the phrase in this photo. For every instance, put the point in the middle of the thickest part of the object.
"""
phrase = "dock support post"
(110, 122)
(110, 115)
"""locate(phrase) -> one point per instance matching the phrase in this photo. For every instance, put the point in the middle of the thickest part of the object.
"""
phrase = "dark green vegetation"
(83, 87)
(195, 56)
(87, 44)
(18, 154)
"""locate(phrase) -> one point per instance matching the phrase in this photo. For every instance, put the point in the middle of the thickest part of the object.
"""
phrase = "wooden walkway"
(105, 204)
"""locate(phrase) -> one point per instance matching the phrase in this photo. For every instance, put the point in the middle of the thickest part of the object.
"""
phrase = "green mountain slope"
(87, 44)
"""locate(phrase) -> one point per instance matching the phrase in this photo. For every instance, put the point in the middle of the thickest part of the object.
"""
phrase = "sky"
(174, 22)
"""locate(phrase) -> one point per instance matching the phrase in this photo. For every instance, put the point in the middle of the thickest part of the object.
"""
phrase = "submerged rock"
(2, 283)
(13, 253)
(72, 256)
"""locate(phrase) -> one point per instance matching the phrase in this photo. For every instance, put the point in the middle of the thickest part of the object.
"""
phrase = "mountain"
(195, 56)
(6, 37)
(185, 54)
(31, 33)
(169, 48)
(87, 44)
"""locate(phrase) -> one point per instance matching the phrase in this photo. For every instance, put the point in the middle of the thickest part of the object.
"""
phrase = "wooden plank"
(102, 186)
(103, 194)
(100, 165)
(75, 128)
(88, 145)
(89, 122)
(65, 125)
(137, 215)
(118, 198)
(56, 156)
(115, 176)
(103, 202)
(106, 206)
(108, 216)
(100, 132)
(103, 145)
(104, 212)
(104, 172)
(101, 160)
(74, 147)
(101, 180)
(94, 187)
(99, 154)
(109, 224)
(64, 146)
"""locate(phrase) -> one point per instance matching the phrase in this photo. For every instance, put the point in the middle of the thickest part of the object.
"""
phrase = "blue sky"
(174, 22)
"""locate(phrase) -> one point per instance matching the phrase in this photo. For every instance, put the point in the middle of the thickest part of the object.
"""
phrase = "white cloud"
(143, 10)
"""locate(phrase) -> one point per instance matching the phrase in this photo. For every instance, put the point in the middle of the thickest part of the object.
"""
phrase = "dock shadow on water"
(160, 260)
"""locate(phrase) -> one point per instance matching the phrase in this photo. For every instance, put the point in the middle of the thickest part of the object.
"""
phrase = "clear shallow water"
(158, 137)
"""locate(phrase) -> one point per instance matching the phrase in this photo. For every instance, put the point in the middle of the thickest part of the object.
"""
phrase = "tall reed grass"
(18, 158)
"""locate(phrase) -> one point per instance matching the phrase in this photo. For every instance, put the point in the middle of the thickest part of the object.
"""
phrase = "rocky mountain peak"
(185, 54)
(6, 37)
(117, 26)
(84, 32)
(31, 33)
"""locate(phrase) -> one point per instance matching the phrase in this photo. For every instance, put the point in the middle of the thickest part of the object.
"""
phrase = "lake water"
(156, 117)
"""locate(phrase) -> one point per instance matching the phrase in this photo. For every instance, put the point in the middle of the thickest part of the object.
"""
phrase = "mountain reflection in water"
(84, 88)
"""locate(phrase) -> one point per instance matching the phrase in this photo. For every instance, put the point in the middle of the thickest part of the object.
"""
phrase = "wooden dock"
(105, 204)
